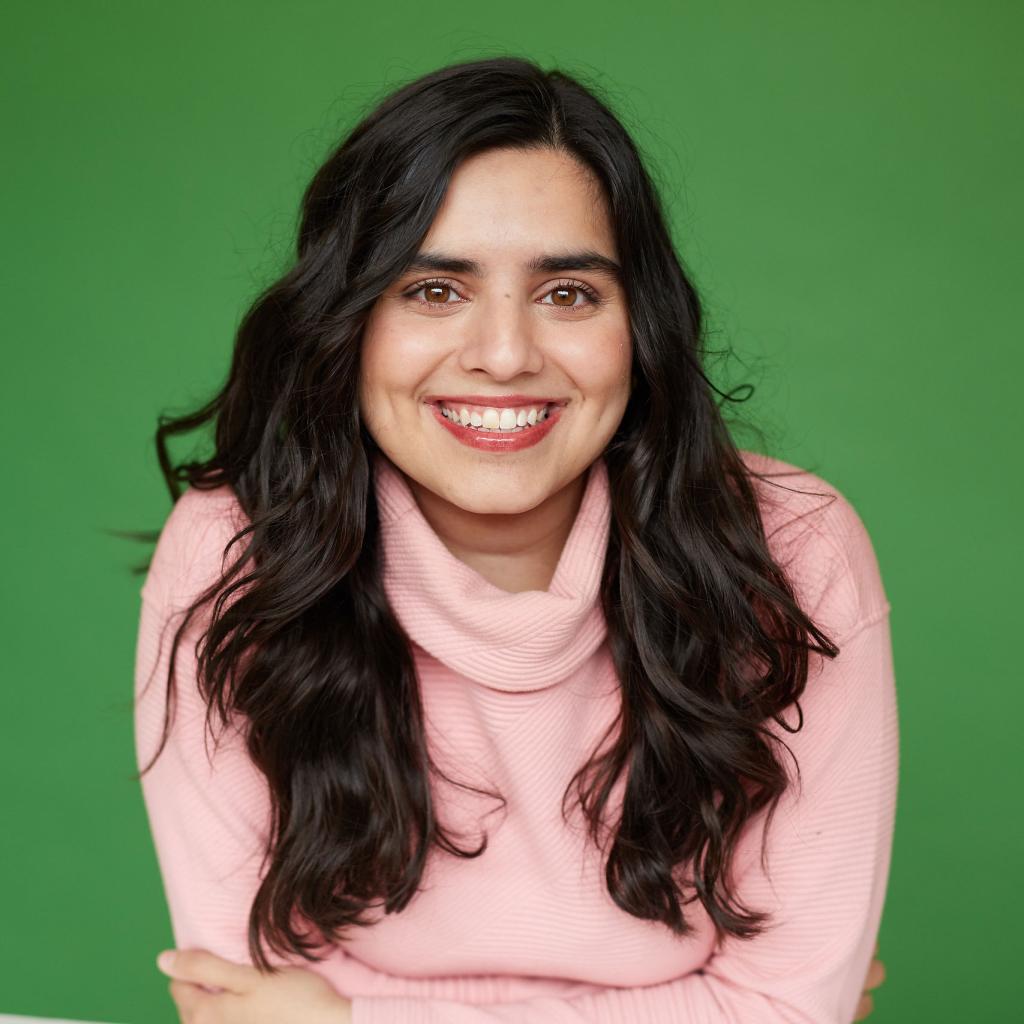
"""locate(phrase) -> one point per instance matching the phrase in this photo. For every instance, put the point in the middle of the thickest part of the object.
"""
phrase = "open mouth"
(497, 428)
(491, 419)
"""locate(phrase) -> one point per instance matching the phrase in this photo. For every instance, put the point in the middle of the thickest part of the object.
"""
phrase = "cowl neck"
(507, 641)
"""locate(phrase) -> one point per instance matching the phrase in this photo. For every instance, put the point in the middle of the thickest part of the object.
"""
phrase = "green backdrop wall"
(844, 183)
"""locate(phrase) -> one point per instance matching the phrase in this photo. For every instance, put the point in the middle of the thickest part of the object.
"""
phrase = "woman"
(504, 637)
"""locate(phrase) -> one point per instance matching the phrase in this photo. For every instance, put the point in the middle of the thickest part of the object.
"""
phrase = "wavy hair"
(707, 636)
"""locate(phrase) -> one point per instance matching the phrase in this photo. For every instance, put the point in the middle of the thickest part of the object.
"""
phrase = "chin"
(507, 504)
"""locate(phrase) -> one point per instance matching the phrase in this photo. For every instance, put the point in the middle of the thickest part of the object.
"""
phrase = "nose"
(501, 340)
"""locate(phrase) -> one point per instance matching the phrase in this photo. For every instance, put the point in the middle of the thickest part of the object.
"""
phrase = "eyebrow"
(548, 263)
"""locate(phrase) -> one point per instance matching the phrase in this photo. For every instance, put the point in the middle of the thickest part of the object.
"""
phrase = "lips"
(496, 440)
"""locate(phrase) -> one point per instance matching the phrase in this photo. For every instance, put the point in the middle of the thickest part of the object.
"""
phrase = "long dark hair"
(704, 627)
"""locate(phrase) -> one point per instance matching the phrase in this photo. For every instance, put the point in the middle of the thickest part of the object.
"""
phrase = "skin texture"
(506, 515)
(505, 331)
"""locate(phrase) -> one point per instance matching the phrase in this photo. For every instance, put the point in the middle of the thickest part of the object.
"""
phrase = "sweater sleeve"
(827, 852)
(206, 813)
(207, 804)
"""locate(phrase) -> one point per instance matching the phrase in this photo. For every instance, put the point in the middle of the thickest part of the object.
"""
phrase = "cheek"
(392, 362)
(600, 363)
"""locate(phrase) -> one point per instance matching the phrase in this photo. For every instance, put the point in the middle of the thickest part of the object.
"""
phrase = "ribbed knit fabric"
(511, 642)
(517, 691)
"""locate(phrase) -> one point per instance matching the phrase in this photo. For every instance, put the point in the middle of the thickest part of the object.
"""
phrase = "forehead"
(505, 200)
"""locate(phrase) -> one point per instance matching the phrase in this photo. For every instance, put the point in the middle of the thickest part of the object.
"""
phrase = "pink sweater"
(517, 689)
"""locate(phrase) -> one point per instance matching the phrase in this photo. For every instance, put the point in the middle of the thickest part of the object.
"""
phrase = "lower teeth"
(494, 430)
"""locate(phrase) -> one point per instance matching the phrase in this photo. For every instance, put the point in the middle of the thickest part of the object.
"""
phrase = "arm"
(207, 810)
(208, 805)
(207, 821)
(828, 847)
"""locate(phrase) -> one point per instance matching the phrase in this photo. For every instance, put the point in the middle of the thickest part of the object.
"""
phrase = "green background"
(844, 183)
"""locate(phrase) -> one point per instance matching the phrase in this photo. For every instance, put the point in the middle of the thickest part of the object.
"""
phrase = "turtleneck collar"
(506, 641)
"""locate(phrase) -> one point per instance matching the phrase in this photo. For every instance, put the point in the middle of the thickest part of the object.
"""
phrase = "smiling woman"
(447, 367)
(475, 557)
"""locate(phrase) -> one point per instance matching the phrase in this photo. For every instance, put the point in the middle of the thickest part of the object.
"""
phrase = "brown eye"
(439, 293)
(566, 293)
(435, 293)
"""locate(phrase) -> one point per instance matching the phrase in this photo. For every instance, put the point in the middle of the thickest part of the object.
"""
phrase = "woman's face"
(489, 377)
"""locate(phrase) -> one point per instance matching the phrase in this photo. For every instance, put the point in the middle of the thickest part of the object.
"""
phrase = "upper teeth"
(489, 418)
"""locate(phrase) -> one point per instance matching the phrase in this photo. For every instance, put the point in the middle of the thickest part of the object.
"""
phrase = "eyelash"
(593, 298)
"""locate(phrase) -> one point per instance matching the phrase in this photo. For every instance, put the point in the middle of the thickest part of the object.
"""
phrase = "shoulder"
(190, 550)
(819, 538)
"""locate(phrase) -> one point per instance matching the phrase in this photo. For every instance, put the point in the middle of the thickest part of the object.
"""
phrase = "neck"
(515, 552)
